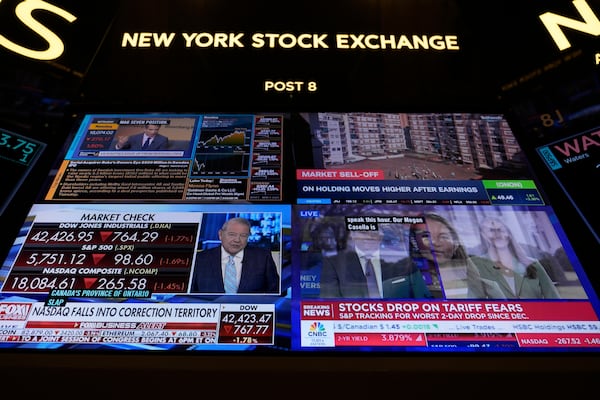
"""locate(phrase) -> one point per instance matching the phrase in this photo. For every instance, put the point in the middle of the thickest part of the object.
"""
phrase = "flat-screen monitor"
(404, 232)
(555, 113)
(18, 156)
(208, 157)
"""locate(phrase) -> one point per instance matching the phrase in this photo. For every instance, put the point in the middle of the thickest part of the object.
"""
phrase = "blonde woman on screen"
(518, 275)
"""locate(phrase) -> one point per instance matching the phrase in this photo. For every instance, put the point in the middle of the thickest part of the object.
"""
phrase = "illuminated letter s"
(55, 44)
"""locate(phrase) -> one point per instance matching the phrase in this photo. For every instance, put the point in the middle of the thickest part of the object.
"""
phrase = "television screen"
(556, 117)
(574, 156)
(133, 276)
(449, 277)
(212, 157)
(18, 155)
(406, 232)
(441, 194)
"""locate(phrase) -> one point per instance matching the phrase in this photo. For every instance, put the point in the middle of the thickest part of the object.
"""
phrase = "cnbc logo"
(317, 329)
(318, 334)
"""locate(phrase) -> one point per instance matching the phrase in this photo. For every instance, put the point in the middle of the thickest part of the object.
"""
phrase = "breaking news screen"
(450, 277)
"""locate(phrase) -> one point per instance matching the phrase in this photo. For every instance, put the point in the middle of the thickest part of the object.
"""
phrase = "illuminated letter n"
(552, 22)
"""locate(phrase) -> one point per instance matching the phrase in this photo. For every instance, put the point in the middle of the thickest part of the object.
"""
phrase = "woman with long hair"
(449, 272)
(518, 275)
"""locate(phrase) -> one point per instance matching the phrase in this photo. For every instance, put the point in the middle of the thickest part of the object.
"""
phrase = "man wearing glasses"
(233, 267)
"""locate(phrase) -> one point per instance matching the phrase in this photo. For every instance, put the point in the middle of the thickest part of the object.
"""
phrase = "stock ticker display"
(467, 252)
(18, 155)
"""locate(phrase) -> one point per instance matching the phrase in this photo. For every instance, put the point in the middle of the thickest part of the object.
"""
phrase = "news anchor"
(233, 267)
(149, 139)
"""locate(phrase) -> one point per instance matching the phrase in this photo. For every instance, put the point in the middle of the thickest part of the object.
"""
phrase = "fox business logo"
(317, 329)
(24, 12)
(14, 311)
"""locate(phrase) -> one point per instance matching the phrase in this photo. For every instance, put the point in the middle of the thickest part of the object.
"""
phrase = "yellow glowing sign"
(553, 22)
(24, 12)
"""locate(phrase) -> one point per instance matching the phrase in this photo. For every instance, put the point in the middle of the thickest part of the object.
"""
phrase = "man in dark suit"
(253, 269)
(149, 139)
(347, 273)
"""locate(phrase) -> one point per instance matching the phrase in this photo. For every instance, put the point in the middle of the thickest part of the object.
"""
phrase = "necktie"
(146, 143)
(371, 280)
(230, 276)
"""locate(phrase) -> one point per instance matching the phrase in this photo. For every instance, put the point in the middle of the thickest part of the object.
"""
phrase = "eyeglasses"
(233, 235)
